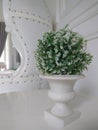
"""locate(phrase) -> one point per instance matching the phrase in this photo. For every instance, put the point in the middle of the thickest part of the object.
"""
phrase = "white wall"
(93, 69)
(89, 85)
(83, 18)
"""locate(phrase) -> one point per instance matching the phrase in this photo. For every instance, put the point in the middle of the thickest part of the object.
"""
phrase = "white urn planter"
(61, 92)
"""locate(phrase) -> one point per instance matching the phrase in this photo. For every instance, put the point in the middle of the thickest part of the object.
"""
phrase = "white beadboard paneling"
(88, 27)
(84, 19)
(69, 6)
(89, 86)
(92, 36)
(78, 11)
(89, 14)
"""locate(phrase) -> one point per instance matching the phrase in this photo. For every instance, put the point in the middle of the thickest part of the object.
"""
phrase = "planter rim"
(62, 77)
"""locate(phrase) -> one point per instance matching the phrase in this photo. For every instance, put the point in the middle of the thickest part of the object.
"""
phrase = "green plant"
(62, 52)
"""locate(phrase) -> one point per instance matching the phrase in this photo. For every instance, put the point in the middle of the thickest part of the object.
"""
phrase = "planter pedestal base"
(61, 92)
(60, 122)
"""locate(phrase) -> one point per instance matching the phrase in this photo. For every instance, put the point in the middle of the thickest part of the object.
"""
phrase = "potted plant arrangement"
(61, 57)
